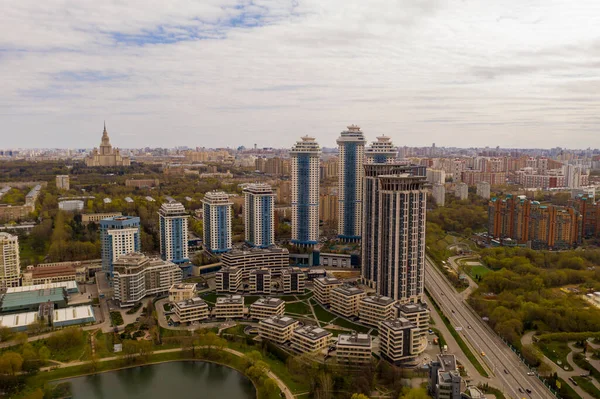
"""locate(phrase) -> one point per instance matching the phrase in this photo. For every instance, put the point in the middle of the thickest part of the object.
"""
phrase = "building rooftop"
(448, 362)
(16, 320)
(312, 332)
(328, 281)
(348, 290)
(255, 251)
(52, 271)
(30, 298)
(191, 303)
(378, 300)
(230, 269)
(70, 286)
(398, 324)
(183, 287)
(260, 271)
(230, 299)
(81, 313)
(411, 307)
(279, 321)
(268, 302)
(355, 339)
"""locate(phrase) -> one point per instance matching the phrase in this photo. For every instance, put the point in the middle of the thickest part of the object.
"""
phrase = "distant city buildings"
(217, 221)
(119, 235)
(173, 224)
(106, 155)
(439, 194)
(10, 266)
(461, 191)
(305, 191)
(483, 190)
(350, 182)
(259, 215)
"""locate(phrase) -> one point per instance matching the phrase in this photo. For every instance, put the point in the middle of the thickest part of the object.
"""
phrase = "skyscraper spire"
(105, 127)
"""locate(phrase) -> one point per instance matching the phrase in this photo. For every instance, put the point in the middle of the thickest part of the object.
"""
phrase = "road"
(498, 356)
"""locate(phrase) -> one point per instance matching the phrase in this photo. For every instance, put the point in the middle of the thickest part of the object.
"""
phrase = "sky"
(219, 73)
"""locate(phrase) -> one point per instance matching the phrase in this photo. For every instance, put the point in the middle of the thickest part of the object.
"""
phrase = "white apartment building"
(483, 189)
(345, 300)
(10, 263)
(397, 341)
(182, 292)
(436, 176)
(190, 310)
(267, 307)
(217, 208)
(376, 308)
(278, 329)
(229, 307)
(438, 192)
(293, 280)
(418, 315)
(305, 191)
(461, 191)
(173, 223)
(322, 289)
(309, 339)
(136, 276)
(354, 349)
(259, 215)
(260, 281)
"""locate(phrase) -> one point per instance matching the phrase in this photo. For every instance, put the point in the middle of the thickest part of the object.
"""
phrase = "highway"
(480, 337)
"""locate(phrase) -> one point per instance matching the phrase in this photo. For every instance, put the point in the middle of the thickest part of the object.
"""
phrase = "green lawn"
(587, 385)
(348, 324)
(322, 314)
(556, 351)
(305, 296)
(566, 391)
(297, 307)
(477, 271)
(210, 297)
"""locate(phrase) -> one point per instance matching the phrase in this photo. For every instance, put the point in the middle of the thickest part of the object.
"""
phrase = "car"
(528, 390)
(469, 327)
(452, 310)
(505, 371)
(521, 390)
(482, 353)
(530, 373)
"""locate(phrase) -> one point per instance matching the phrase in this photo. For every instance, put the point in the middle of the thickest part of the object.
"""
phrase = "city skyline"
(221, 74)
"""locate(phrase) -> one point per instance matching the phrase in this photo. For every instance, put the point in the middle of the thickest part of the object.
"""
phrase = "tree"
(544, 369)
(270, 386)
(44, 354)
(6, 334)
(531, 355)
(359, 396)
(11, 363)
(415, 393)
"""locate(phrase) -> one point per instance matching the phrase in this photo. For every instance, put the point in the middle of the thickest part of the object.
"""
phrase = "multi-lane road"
(491, 351)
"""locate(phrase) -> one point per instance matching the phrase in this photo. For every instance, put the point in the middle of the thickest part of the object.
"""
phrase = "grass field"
(322, 314)
(556, 351)
(475, 271)
(587, 385)
(297, 307)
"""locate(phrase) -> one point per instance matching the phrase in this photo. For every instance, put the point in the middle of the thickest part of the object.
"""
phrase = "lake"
(165, 381)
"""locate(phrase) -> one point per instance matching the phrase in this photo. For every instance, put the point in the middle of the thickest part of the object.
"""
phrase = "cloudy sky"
(514, 73)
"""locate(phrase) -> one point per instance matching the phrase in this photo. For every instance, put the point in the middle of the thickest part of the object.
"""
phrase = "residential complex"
(217, 221)
(346, 299)
(259, 215)
(310, 339)
(173, 223)
(228, 279)
(182, 292)
(136, 276)
(229, 307)
(305, 191)
(119, 235)
(461, 191)
(272, 258)
(263, 308)
(10, 263)
(293, 280)
(323, 287)
(444, 378)
(516, 220)
(397, 341)
(376, 308)
(278, 329)
(260, 281)
(350, 182)
(483, 190)
(354, 348)
(190, 310)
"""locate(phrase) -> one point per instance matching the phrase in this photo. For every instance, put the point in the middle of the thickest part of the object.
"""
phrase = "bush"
(116, 319)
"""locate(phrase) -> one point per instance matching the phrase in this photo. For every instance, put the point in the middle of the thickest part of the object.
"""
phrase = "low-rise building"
(51, 274)
(444, 378)
(29, 301)
(376, 308)
(229, 307)
(396, 341)
(73, 316)
(260, 281)
(292, 279)
(62, 182)
(336, 260)
(345, 300)
(354, 349)
(272, 258)
(417, 314)
(71, 205)
(190, 310)
(182, 292)
(87, 218)
(323, 287)
(278, 329)
(228, 279)
(267, 307)
(136, 276)
(308, 339)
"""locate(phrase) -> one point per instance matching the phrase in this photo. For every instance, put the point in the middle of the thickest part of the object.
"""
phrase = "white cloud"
(226, 73)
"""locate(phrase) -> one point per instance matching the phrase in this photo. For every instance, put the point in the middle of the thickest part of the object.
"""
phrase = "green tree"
(359, 396)
(11, 363)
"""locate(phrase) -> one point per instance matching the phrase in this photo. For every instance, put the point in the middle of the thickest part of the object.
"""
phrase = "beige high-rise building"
(9, 260)
(62, 182)
(328, 207)
(439, 194)
(106, 155)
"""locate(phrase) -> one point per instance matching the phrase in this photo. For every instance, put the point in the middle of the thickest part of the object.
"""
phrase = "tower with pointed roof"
(106, 155)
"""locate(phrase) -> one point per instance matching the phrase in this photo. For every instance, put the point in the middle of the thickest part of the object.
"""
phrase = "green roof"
(29, 298)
